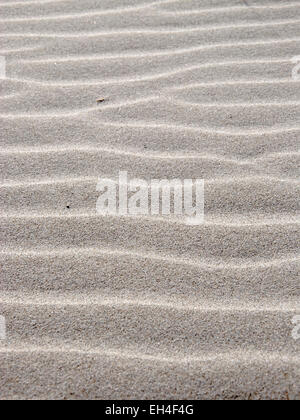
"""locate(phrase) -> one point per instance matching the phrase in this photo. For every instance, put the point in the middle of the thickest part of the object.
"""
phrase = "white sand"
(142, 307)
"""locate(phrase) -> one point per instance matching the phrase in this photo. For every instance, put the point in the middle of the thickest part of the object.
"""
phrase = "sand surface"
(148, 307)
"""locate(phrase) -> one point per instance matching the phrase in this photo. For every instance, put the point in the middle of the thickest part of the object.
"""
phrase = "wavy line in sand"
(137, 154)
(94, 13)
(10, 96)
(31, 2)
(129, 9)
(71, 300)
(157, 3)
(117, 253)
(152, 77)
(63, 149)
(231, 357)
(250, 132)
(231, 9)
(96, 109)
(94, 180)
(235, 220)
(234, 83)
(158, 32)
(21, 50)
(50, 114)
(174, 51)
(201, 130)
(233, 104)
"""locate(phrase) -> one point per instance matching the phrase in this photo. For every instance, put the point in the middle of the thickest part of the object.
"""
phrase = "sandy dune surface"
(144, 307)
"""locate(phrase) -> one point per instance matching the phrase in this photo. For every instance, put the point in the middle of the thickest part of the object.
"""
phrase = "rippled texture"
(148, 307)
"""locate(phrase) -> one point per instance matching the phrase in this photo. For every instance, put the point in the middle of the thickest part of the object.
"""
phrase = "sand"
(110, 307)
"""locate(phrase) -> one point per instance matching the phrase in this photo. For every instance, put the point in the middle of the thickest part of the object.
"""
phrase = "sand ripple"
(140, 306)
